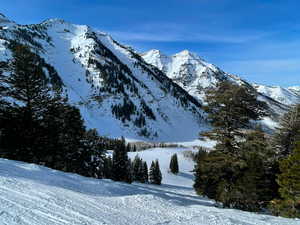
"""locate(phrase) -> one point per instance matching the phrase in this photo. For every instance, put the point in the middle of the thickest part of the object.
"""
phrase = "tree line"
(249, 169)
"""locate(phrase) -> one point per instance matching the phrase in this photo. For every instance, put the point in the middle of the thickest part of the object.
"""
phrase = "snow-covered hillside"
(35, 195)
(187, 70)
(287, 96)
(195, 75)
(115, 89)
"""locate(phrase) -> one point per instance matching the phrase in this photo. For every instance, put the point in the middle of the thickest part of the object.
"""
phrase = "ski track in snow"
(35, 195)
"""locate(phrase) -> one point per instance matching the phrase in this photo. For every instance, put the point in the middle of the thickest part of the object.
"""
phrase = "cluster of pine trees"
(248, 169)
(37, 123)
(140, 170)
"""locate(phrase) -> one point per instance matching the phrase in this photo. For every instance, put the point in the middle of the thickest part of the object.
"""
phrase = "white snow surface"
(35, 195)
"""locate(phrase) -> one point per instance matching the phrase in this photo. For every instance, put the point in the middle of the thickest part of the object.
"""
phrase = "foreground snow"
(35, 195)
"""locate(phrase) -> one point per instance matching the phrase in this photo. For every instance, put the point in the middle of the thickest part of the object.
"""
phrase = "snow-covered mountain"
(195, 75)
(153, 97)
(115, 89)
(187, 70)
(287, 96)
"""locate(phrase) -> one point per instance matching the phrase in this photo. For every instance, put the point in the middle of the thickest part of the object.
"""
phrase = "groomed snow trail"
(35, 195)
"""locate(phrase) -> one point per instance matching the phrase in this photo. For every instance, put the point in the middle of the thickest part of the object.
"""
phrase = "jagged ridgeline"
(116, 90)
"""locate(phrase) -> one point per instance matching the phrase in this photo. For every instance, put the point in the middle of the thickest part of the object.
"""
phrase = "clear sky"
(256, 39)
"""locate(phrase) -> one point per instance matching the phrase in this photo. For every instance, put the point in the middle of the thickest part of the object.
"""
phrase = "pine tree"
(137, 169)
(152, 173)
(289, 182)
(155, 176)
(244, 180)
(107, 167)
(230, 107)
(134, 148)
(145, 172)
(174, 164)
(91, 155)
(65, 135)
(158, 175)
(121, 168)
(128, 147)
(28, 86)
(286, 135)
(28, 83)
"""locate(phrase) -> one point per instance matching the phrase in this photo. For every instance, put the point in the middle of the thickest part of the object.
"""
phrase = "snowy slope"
(295, 89)
(35, 195)
(116, 91)
(287, 96)
(186, 69)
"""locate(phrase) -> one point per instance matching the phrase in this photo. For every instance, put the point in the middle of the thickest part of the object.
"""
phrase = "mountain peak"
(154, 52)
(55, 21)
(188, 54)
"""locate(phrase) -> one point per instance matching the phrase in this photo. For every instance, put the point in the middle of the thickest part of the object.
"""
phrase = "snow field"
(35, 195)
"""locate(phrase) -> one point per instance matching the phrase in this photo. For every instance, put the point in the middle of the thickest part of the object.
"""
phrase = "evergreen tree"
(286, 135)
(27, 85)
(245, 180)
(65, 135)
(107, 167)
(134, 148)
(121, 168)
(137, 169)
(155, 176)
(174, 164)
(145, 172)
(91, 155)
(128, 147)
(158, 175)
(152, 173)
(230, 107)
(289, 182)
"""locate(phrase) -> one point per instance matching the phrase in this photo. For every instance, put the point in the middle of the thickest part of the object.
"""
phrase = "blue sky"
(256, 39)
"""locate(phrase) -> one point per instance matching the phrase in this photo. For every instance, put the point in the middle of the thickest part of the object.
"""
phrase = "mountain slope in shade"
(196, 75)
(115, 89)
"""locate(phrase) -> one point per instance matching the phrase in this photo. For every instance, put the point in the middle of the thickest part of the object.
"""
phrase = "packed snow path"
(35, 195)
